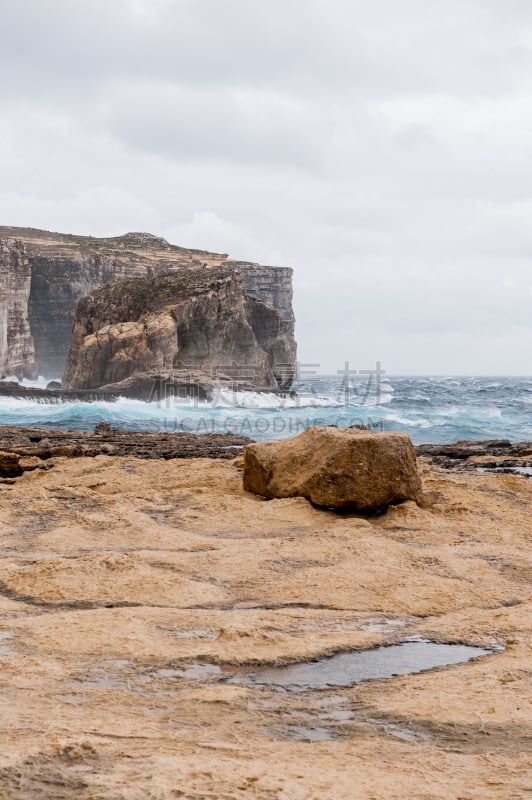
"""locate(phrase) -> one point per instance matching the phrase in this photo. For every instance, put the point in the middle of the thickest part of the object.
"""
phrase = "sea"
(430, 409)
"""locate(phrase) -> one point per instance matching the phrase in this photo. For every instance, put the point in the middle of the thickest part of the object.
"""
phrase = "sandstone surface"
(133, 589)
(335, 468)
(200, 320)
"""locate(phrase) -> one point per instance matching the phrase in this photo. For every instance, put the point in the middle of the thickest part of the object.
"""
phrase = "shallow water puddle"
(347, 669)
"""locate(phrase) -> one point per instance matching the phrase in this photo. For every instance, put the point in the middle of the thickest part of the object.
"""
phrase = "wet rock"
(147, 386)
(491, 454)
(29, 448)
(465, 449)
(103, 428)
(163, 387)
(336, 468)
(20, 392)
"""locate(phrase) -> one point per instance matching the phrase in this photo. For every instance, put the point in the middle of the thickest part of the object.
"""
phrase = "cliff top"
(129, 241)
(137, 246)
(133, 245)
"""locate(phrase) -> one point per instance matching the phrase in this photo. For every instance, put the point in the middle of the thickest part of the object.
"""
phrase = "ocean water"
(429, 409)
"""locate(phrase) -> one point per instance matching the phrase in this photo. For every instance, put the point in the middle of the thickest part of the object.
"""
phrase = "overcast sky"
(381, 148)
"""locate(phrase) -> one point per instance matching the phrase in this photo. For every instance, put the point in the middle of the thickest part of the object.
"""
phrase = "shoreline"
(33, 447)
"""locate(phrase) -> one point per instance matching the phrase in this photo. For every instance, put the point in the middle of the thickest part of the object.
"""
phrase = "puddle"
(198, 671)
(347, 669)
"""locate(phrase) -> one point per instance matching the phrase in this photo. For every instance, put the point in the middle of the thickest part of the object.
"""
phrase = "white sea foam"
(40, 383)
(225, 398)
(269, 400)
(408, 422)
(489, 413)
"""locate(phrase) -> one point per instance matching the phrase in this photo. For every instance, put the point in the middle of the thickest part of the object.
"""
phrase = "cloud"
(220, 236)
(382, 150)
(213, 124)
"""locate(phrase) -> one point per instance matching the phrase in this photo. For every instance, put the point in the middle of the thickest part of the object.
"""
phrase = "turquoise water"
(429, 409)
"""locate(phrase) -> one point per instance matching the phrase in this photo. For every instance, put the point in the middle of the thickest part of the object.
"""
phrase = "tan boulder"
(336, 468)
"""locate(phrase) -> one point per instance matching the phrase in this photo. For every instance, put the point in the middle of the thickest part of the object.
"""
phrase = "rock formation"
(25, 449)
(17, 355)
(336, 468)
(191, 321)
(43, 276)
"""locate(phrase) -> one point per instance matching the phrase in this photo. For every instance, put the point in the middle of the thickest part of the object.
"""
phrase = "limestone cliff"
(194, 320)
(16, 343)
(44, 275)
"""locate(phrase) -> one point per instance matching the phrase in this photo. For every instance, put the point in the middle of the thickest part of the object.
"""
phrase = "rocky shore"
(137, 594)
(43, 444)
(27, 449)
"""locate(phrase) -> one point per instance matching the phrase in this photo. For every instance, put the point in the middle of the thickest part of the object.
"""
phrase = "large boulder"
(336, 468)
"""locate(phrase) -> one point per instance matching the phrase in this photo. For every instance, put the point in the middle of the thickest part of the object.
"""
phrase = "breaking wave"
(429, 409)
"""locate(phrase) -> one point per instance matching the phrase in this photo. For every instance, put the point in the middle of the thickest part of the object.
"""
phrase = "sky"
(382, 149)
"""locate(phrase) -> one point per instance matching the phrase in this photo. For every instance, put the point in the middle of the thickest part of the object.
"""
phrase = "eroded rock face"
(16, 342)
(43, 275)
(336, 468)
(202, 321)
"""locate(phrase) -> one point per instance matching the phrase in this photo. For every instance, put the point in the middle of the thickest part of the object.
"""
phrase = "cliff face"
(44, 275)
(16, 342)
(196, 320)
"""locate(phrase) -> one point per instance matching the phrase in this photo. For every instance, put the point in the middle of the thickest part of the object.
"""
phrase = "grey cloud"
(284, 44)
(382, 149)
(237, 126)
